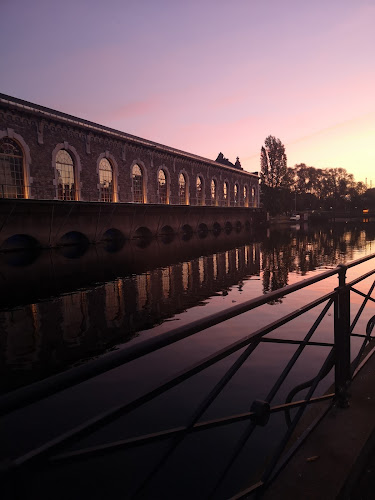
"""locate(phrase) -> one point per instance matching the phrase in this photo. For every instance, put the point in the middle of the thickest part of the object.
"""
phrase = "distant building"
(224, 161)
(46, 154)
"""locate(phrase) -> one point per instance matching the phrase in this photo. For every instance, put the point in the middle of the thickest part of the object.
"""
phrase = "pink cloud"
(132, 109)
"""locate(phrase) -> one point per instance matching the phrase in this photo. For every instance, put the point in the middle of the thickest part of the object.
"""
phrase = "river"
(65, 307)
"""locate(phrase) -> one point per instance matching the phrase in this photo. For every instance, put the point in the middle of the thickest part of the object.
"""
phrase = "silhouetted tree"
(274, 175)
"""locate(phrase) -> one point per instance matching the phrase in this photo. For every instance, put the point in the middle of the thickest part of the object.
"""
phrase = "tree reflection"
(288, 250)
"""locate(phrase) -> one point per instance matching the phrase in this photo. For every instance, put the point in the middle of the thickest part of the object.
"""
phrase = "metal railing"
(338, 359)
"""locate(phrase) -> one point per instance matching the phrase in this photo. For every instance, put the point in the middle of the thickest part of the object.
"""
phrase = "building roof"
(43, 112)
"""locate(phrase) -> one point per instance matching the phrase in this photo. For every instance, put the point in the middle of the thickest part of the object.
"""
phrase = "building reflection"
(62, 331)
(70, 310)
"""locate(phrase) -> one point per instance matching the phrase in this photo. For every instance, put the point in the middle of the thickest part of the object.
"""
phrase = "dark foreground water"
(66, 307)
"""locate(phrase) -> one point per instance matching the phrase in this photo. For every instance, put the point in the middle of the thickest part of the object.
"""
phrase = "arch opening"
(73, 244)
(113, 240)
(142, 232)
(105, 180)
(182, 190)
(202, 230)
(200, 190)
(12, 178)
(143, 237)
(19, 242)
(187, 232)
(20, 250)
(73, 238)
(163, 187)
(66, 187)
(226, 194)
(213, 192)
(216, 229)
(167, 234)
(228, 227)
(138, 184)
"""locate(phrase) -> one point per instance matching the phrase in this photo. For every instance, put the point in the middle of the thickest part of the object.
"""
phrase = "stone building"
(49, 155)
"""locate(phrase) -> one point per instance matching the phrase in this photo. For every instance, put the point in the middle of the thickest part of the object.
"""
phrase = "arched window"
(253, 201)
(245, 196)
(12, 184)
(235, 194)
(66, 188)
(213, 192)
(200, 192)
(137, 177)
(163, 187)
(182, 192)
(226, 194)
(105, 180)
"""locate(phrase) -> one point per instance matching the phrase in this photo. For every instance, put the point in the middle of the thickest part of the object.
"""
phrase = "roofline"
(52, 113)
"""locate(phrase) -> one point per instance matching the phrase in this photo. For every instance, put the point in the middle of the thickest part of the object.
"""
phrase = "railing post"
(342, 339)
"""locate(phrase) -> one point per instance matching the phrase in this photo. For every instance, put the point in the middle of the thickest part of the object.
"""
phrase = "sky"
(205, 76)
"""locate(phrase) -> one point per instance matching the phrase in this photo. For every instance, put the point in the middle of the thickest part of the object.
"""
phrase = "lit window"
(199, 191)
(65, 176)
(182, 189)
(11, 169)
(213, 192)
(253, 196)
(245, 196)
(105, 180)
(138, 196)
(226, 192)
(163, 188)
(236, 194)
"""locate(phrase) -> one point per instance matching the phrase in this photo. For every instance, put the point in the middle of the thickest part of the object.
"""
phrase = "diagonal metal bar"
(101, 449)
(294, 447)
(198, 413)
(247, 433)
(245, 493)
(237, 450)
(298, 352)
(268, 472)
(229, 375)
(52, 385)
(244, 438)
(171, 382)
(89, 426)
(218, 389)
(362, 335)
(362, 294)
(296, 342)
(363, 305)
(367, 337)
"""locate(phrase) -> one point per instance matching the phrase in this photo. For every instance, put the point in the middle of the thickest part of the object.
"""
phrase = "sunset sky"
(205, 76)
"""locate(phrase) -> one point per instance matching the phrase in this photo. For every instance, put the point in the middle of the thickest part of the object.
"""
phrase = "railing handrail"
(61, 381)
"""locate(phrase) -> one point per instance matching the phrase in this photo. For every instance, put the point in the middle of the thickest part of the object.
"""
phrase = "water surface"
(66, 307)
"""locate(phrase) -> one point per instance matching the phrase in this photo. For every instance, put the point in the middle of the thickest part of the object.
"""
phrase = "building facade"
(49, 155)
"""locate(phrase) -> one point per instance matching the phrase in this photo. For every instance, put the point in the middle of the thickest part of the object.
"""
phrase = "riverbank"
(333, 460)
